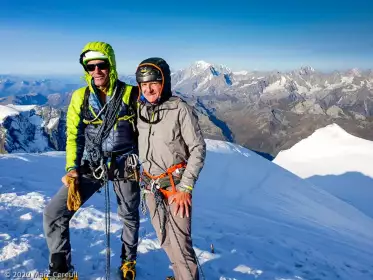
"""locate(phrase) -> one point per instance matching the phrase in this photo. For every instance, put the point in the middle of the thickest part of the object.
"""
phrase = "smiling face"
(151, 91)
(99, 70)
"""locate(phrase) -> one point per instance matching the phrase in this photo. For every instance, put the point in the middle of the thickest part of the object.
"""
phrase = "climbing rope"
(107, 227)
(94, 144)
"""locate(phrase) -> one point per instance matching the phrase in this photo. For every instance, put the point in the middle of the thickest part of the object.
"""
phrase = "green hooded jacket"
(123, 134)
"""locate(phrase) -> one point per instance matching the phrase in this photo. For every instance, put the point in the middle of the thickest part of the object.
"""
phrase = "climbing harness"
(171, 175)
(149, 183)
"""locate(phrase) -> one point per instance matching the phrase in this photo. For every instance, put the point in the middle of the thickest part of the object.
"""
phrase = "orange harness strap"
(168, 173)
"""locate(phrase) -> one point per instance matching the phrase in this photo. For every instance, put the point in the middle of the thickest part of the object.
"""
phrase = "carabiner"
(102, 167)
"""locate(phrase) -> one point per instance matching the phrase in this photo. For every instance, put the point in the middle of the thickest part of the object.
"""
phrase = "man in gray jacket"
(172, 151)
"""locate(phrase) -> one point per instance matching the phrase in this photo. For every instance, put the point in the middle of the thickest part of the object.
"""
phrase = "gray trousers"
(56, 217)
(177, 231)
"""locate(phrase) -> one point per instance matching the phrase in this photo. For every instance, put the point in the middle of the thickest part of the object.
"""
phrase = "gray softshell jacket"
(169, 133)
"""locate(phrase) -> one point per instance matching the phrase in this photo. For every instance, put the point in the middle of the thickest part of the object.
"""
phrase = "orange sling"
(168, 173)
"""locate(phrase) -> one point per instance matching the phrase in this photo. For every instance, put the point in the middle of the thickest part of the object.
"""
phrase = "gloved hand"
(73, 174)
(183, 201)
(71, 181)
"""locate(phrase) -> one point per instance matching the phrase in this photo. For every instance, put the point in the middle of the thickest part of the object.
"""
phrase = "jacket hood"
(108, 51)
(161, 65)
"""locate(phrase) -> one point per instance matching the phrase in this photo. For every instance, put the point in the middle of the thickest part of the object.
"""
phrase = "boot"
(128, 270)
(59, 270)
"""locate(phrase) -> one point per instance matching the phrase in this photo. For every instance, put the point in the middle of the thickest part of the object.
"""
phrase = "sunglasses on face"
(101, 66)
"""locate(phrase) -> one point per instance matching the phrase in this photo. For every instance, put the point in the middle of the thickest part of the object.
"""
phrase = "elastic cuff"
(71, 168)
(184, 188)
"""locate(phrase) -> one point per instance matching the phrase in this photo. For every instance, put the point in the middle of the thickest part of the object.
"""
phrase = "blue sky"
(46, 37)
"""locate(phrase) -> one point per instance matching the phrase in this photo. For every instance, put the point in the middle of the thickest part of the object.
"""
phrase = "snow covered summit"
(329, 150)
(337, 162)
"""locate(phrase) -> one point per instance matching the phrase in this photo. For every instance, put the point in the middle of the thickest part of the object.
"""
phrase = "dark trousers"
(56, 217)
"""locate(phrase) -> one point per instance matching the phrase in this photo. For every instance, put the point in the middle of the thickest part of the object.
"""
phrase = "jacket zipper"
(149, 134)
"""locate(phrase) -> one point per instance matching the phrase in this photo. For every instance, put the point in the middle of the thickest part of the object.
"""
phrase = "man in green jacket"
(101, 142)
(172, 151)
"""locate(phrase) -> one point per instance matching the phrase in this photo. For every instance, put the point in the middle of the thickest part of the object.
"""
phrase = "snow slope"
(329, 150)
(336, 161)
(264, 222)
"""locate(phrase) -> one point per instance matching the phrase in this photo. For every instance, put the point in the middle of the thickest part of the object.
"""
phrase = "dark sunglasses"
(101, 66)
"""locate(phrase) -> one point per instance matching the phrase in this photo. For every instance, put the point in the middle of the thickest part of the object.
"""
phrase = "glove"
(71, 174)
(71, 181)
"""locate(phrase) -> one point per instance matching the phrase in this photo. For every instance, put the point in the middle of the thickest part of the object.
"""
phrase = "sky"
(46, 37)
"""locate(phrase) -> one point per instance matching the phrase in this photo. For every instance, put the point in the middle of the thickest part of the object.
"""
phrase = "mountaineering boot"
(128, 270)
(59, 270)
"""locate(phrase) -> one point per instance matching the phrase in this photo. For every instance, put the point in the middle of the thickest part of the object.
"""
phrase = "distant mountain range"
(31, 129)
(271, 111)
(264, 111)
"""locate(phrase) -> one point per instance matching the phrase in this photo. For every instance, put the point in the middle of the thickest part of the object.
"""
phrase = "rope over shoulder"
(110, 111)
